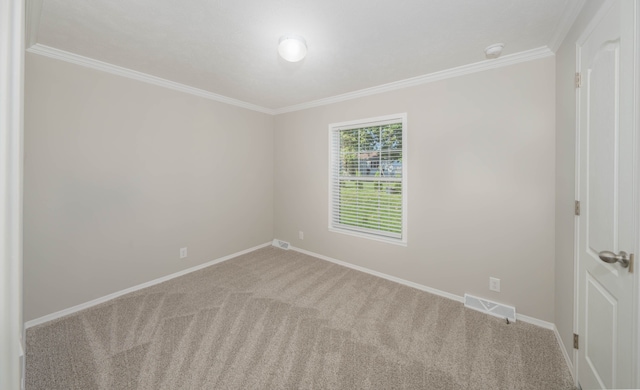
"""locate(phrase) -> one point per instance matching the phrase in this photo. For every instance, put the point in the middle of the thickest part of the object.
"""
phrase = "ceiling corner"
(511, 59)
(569, 16)
(91, 63)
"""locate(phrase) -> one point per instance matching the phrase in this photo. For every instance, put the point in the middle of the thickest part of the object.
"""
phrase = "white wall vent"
(280, 244)
(489, 307)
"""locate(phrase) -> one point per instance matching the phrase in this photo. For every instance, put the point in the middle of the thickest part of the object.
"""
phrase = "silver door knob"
(610, 257)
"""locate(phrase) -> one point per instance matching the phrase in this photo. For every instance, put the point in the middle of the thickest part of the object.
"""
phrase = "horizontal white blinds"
(366, 177)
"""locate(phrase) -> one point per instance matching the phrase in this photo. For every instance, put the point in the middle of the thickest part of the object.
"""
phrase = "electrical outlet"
(183, 252)
(494, 284)
(301, 235)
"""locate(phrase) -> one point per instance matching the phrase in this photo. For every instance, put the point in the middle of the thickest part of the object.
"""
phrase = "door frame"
(12, 35)
(636, 187)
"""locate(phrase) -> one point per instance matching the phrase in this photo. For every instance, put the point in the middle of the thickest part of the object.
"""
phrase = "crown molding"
(147, 78)
(569, 16)
(34, 10)
(511, 59)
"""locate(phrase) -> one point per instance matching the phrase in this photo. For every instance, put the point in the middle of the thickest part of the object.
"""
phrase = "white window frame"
(336, 127)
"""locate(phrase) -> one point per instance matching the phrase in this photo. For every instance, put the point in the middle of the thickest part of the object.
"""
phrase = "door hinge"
(575, 341)
(578, 80)
(577, 208)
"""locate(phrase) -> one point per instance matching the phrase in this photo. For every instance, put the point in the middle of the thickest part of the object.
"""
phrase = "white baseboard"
(565, 353)
(382, 275)
(86, 305)
(535, 321)
(520, 317)
(457, 298)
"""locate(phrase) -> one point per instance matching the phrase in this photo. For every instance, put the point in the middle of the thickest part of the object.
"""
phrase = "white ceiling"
(229, 47)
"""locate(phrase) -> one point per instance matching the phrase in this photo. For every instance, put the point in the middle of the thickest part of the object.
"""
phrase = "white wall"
(565, 174)
(481, 184)
(120, 174)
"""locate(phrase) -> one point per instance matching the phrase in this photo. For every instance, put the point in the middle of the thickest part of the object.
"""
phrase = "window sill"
(388, 240)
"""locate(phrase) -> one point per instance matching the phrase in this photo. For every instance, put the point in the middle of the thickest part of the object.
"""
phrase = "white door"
(606, 227)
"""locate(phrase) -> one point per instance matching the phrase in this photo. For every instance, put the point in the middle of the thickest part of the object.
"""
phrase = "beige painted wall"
(481, 184)
(565, 174)
(120, 174)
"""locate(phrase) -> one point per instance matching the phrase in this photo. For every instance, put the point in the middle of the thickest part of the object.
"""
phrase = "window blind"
(367, 164)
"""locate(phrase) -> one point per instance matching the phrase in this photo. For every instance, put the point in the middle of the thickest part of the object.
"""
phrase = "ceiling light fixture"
(494, 51)
(292, 48)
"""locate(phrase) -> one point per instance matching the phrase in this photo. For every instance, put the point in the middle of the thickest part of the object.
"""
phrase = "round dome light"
(292, 48)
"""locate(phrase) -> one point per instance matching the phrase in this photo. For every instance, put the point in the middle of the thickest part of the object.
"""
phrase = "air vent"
(280, 244)
(492, 308)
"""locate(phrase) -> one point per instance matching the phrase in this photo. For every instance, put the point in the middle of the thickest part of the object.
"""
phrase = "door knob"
(609, 257)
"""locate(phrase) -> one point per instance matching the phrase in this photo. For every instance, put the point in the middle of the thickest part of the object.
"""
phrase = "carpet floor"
(275, 319)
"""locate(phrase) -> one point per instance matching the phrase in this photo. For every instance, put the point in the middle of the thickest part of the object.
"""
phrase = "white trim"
(147, 78)
(444, 294)
(355, 124)
(368, 236)
(567, 359)
(636, 164)
(457, 298)
(11, 174)
(511, 59)
(586, 32)
(576, 221)
(106, 298)
(535, 321)
(382, 275)
(33, 12)
(636, 143)
(569, 15)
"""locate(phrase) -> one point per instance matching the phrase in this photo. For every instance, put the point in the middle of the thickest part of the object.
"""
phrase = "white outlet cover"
(183, 253)
(494, 284)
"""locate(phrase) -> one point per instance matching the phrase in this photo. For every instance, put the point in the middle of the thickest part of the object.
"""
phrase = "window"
(368, 178)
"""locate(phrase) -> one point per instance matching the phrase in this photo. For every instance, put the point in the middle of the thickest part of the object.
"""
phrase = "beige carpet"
(275, 319)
